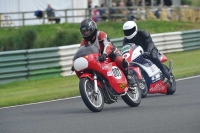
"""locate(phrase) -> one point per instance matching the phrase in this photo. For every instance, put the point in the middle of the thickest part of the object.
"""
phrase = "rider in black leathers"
(143, 39)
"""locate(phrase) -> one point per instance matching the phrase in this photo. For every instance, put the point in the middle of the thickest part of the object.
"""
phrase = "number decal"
(116, 72)
(126, 55)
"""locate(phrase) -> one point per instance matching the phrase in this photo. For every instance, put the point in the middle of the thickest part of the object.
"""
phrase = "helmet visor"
(86, 31)
(129, 31)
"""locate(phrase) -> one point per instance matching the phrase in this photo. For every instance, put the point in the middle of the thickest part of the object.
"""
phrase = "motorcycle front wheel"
(94, 101)
(133, 96)
(143, 87)
(172, 84)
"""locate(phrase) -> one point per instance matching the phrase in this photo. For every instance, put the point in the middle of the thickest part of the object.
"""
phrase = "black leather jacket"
(143, 39)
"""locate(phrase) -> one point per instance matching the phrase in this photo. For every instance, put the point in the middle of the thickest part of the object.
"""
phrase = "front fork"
(95, 83)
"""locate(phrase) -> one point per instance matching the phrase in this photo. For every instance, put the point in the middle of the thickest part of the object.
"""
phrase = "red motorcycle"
(102, 82)
(149, 75)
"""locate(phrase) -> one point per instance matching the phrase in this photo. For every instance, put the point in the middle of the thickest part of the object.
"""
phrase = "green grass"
(185, 64)
(114, 30)
(38, 90)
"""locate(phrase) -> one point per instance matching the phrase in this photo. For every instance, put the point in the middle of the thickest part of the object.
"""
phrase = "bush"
(29, 38)
(25, 39)
(43, 36)
(64, 37)
(38, 37)
(7, 43)
(186, 2)
(17, 40)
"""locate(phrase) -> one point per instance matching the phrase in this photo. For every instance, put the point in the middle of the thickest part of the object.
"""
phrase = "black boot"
(167, 76)
(131, 80)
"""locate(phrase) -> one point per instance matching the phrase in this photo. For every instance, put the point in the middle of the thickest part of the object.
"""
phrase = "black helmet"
(88, 29)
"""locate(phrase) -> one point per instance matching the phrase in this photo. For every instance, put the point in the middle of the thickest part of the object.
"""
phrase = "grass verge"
(185, 64)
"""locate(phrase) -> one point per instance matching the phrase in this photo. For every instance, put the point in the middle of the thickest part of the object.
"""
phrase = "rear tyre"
(94, 102)
(133, 96)
(172, 84)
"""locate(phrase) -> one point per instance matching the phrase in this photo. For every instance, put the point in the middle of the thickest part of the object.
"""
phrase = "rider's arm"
(83, 42)
(125, 41)
(108, 47)
(148, 41)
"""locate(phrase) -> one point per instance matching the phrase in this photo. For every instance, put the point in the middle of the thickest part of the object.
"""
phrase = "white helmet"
(130, 29)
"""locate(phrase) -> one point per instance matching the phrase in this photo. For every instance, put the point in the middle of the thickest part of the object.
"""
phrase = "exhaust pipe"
(170, 65)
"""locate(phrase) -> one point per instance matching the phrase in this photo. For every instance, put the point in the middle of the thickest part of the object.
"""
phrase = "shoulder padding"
(102, 35)
(143, 33)
(83, 42)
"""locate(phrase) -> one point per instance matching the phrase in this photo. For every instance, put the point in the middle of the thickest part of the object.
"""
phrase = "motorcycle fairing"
(133, 54)
(162, 57)
(86, 59)
(85, 50)
(150, 70)
(156, 77)
(135, 50)
(137, 71)
(80, 63)
(115, 77)
(158, 87)
(153, 75)
(128, 50)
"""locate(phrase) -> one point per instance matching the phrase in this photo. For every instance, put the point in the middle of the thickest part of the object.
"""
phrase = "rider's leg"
(154, 58)
(123, 65)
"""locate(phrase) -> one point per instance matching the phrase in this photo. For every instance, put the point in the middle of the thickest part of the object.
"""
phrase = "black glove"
(72, 68)
(103, 57)
(146, 54)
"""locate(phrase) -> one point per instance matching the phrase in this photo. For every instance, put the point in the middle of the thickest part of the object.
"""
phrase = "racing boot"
(131, 80)
(166, 80)
(167, 76)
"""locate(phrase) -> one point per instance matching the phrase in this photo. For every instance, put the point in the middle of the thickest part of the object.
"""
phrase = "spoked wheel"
(172, 83)
(133, 96)
(143, 87)
(94, 101)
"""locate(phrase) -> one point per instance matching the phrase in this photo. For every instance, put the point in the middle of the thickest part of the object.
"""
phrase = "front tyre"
(94, 101)
(133, 96)
(143, 87)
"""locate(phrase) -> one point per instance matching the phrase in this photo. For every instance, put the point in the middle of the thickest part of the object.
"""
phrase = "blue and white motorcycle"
(148, 74)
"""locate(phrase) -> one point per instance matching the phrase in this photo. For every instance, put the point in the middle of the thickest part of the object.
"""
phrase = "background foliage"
(43, 36)
(191, 2)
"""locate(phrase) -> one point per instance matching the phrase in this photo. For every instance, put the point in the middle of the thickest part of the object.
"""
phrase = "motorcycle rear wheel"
(93, 101)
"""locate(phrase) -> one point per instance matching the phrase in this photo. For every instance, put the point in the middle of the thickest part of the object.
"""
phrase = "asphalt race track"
(157, 113)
